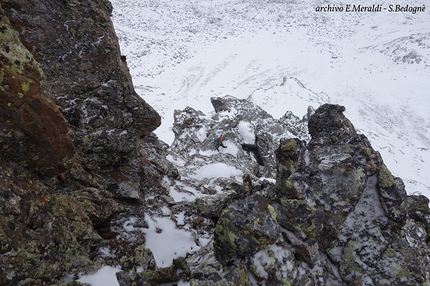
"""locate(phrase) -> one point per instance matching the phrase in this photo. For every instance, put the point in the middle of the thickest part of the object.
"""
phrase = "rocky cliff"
(83, 180)
(73, 137)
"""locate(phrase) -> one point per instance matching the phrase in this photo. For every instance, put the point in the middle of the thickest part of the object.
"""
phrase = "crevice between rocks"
(254, 149)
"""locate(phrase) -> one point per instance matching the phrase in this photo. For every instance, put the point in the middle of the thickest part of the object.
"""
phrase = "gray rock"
(250, 133)
(244, 228)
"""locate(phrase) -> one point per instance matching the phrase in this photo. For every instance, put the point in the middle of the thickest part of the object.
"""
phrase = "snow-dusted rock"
(250, 134)
(336, 214)
(363, 207)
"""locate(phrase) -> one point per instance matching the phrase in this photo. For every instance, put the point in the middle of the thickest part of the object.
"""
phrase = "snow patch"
(181, 192)
(246, 133)
(166, 241)
(105, 276)
(217, 170)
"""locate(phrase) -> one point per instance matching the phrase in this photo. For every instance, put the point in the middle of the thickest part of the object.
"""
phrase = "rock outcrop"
(76, 47)
(33, 132)
(256, 220)
(341, 212)
(75, 141)
(250, 133)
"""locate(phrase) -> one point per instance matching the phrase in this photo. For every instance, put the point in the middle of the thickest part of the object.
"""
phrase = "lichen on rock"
(33, 131)
(243, 229)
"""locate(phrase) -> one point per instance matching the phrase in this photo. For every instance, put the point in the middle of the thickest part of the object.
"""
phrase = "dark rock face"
(364, 208)
(302, 218)
(256, 221)
(33, 131)
(76, 46)
(329, 125)
(76, 148)
(44, 234)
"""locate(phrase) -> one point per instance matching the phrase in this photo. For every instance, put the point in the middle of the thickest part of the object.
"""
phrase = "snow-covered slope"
(284, 55)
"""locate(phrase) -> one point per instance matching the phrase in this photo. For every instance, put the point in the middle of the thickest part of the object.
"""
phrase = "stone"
(419, 211)
(364, 205)
(33, 131)
(244, 228)
(243, 125)
(287, 156)
(76, 47)
(69, 119)
(393, 196)
(178, 271)
(328, 125)
(302, 218)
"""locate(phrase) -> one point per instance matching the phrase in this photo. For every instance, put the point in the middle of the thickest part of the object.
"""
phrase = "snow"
(128, 225)
(217, 170)
(271, 180)
(246, 133)
(166, 241)
(180, 218)
(202, 134)
(176, 160)
(105, 276)
(231, 148)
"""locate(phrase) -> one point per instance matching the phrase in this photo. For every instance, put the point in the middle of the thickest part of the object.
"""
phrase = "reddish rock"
(33, 132)
(77, 48)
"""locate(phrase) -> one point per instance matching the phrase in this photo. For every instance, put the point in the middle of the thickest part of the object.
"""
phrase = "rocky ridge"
(335, 215)
(83, 179)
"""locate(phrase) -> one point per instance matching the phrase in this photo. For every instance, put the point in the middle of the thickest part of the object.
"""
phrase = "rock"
(337, 207)
(393, 196)
(78, 51)
(73, 136)
(419, 211)
(43, 234)
(302, 218)
(336, 166)
(274, 263)
(244, 228)
(298, 128)
(33, 131)
(250, 134)
(178, 271)
(328, 126)
(288, 155)
(364, 205)
(212, 206)
(132, 278)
